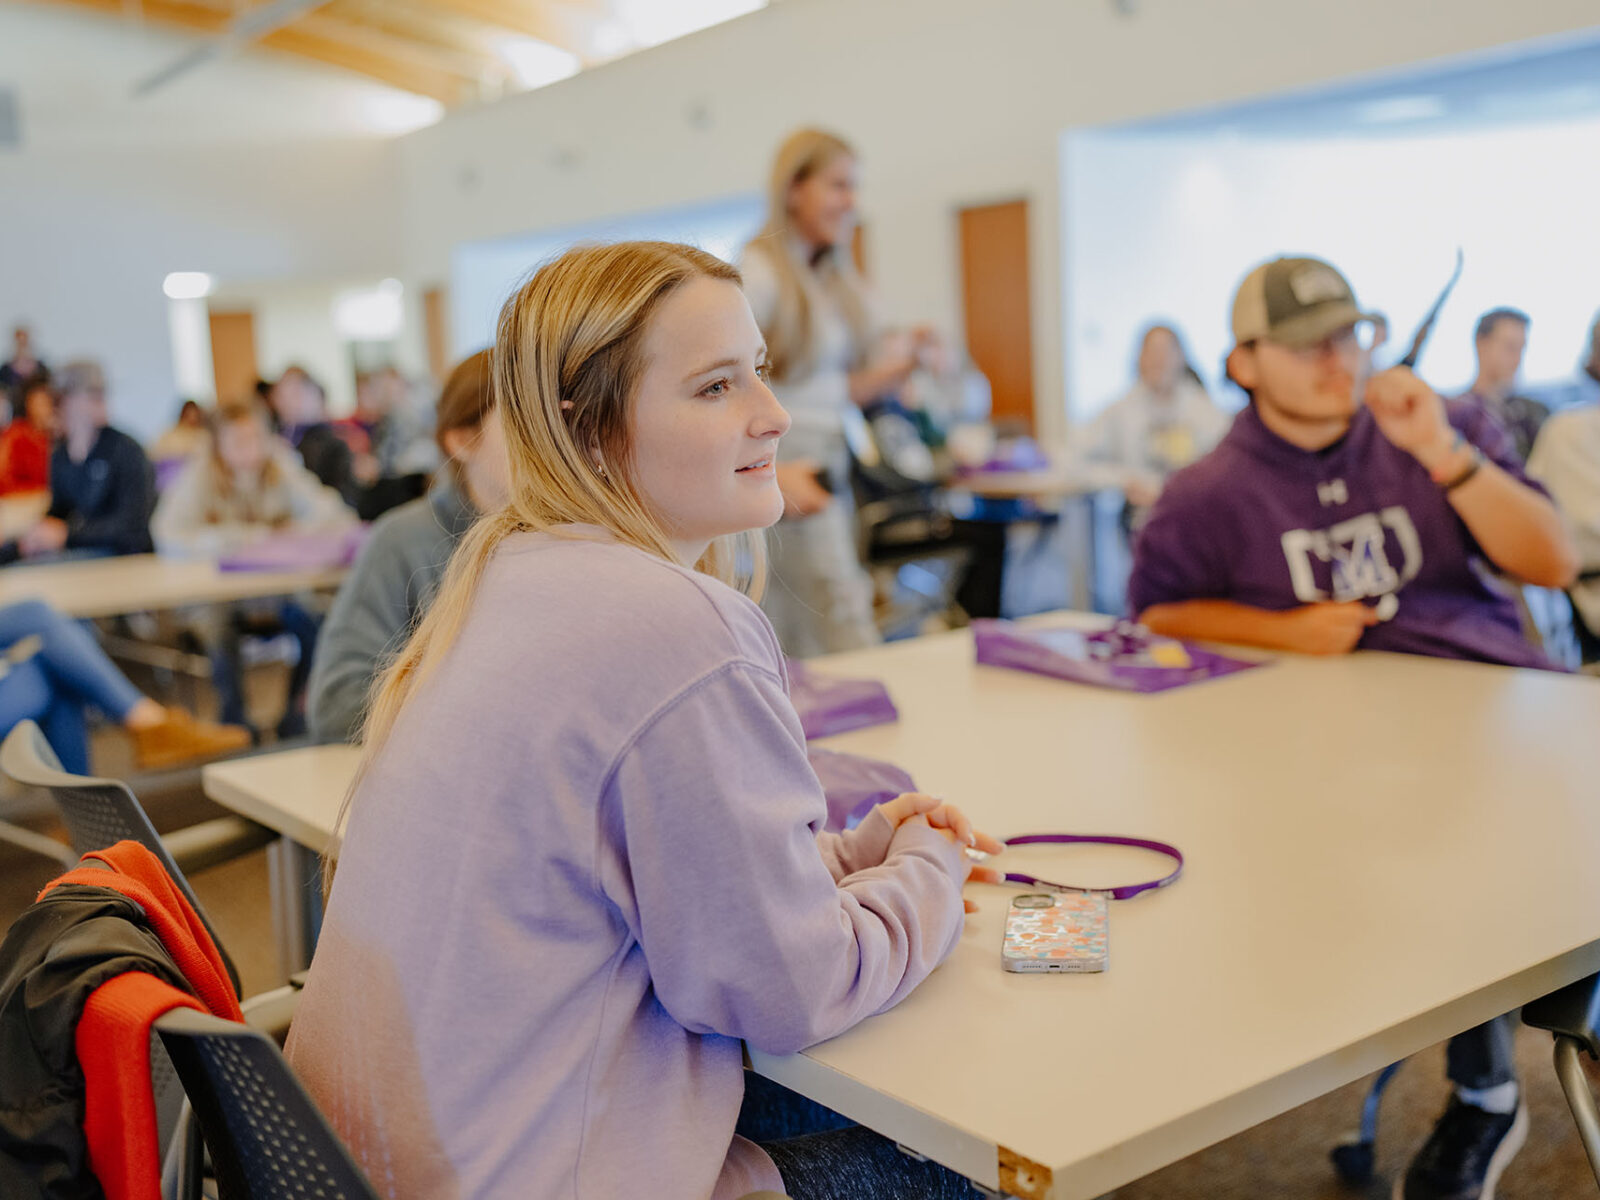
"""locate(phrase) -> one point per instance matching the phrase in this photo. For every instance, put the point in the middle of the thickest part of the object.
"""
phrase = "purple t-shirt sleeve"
(1175, 558)
(1485, 431)
(745, 930)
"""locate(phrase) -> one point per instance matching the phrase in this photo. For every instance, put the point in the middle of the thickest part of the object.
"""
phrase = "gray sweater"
(395, 576)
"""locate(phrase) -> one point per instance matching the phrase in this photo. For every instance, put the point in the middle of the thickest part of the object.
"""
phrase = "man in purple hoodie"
(1343, 513)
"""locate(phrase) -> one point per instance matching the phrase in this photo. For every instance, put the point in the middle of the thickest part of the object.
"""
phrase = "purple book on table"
(828, 706)
(1126, 657)
(297, 552)
(854, 784)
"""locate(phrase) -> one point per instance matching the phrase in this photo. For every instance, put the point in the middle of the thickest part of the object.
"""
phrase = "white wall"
(950, 102)
(483, 274)
(86, 238)
(1164, 227)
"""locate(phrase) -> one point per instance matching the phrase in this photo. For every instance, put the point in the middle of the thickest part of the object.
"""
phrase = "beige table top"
(20, 512)
(1383, 851)
(1056, 482)
(107, 587)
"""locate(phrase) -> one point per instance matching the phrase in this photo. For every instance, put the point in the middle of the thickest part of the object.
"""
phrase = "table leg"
(294, 875)
(1077, 516)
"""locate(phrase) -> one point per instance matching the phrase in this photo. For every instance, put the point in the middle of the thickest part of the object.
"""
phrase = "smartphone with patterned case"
(1050, 932)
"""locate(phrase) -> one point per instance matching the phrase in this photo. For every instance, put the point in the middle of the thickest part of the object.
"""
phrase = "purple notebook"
(854, 784)
(1127, 657)
(297, 552)
(828, 706)
(1015, 454)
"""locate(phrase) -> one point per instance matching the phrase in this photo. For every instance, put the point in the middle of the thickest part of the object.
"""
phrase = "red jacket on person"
(24, 458)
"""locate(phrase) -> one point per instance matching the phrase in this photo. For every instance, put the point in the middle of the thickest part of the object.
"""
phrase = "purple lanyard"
(1125, 892)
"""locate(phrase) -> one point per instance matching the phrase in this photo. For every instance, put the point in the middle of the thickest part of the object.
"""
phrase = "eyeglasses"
(1352, 339)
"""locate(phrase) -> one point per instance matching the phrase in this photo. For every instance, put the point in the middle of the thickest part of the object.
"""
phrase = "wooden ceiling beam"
(463, 62)
(546, 22)
(445, 85)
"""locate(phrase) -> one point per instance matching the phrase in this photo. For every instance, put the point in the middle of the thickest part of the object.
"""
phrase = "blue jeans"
(823, 1156)
(227, 668)
(1484, 1056)
(68, 673)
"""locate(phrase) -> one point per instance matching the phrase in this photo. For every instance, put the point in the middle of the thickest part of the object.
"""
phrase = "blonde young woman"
(829, 358)
(582, 857)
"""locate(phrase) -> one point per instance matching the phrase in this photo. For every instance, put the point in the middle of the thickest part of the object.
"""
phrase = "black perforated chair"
(266, 1138)
(92, 813)
(102, 812)
(1572, 1015)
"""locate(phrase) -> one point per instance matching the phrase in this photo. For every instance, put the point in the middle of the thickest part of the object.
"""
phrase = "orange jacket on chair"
(111, 1035)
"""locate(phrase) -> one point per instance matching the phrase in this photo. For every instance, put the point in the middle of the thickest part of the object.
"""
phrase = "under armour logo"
(1332, 492)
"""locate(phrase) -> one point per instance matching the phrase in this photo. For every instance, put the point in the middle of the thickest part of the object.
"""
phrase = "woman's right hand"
(949, 822)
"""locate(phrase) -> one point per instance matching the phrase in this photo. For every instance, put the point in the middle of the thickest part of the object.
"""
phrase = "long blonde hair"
(566, 362)
(791, 344)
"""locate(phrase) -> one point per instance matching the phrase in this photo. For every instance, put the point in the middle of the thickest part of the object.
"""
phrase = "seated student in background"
(300, 407)
(517, 991)
(51, 670)
(1162, 423)
(1323, 524)
(249, 486)
(386, 469)
(1585, 388)
(26, 444)
(1566, 459)
(402, 562)
(188, 434)
(101, 486)
(1499, 342)
(22, 368)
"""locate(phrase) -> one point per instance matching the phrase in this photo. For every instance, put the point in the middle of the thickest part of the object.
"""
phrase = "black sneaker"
(1465, 1155)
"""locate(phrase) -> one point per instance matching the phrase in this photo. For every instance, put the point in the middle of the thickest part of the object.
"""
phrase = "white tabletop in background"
(1383, 850)
(1059, 481)
(107, 587)
(20, 512)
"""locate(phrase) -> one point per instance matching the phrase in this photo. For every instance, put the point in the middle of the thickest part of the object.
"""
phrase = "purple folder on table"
(1015, 454)
(854, 784)
(1126, 657)
(828, 705)
(297, 552)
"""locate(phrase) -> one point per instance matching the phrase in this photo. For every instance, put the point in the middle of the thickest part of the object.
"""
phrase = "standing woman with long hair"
(829, 359)
(583, 855)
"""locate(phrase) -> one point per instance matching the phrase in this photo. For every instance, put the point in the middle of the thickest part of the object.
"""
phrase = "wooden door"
(433, 324)
(999, 312)
(233, 353)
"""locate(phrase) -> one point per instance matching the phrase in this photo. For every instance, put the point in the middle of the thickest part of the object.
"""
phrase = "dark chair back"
(266, 1137)
(98, 812)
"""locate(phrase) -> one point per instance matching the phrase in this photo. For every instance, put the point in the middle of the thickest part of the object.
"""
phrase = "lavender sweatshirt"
(587, 862)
